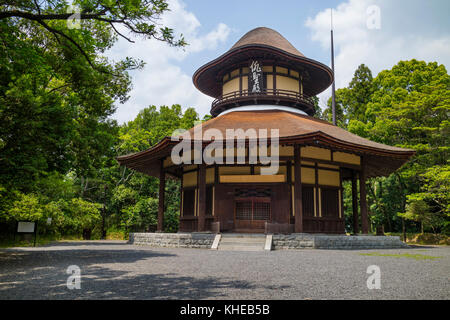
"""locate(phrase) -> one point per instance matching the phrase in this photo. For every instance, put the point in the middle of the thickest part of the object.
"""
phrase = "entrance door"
(251, 213)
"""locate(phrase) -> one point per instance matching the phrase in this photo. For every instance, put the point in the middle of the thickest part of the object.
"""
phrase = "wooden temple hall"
(263, 82)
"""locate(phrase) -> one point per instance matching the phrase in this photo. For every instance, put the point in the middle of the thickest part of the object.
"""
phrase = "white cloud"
(162, 81)
(379, 49)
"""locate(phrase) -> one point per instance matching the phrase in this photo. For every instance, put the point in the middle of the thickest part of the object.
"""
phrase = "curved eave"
(380, 162)
(206, 74)
(160, 146)
(322, 139)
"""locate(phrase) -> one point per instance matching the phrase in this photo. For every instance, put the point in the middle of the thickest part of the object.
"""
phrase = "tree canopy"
(407, 106)
(57, 93)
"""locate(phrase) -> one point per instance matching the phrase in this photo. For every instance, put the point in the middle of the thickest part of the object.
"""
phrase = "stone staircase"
(242, 242)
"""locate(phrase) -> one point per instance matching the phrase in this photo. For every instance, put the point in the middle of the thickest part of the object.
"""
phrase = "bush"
(431, 238)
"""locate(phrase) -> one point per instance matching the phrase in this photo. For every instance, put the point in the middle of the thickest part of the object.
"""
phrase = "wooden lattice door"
(252, 213)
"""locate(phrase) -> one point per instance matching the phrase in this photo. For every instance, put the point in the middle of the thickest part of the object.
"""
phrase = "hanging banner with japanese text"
(255, 78)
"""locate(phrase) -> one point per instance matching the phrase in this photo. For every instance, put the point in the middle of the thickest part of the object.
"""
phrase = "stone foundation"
(173, 240)
(279, 241)
(318, 241)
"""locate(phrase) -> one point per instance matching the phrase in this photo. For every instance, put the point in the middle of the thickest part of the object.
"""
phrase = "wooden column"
(162, 186)
(201, 183)
(289, 182)
(355, 203)
(215, 202)
(363, 198)
(298, 206)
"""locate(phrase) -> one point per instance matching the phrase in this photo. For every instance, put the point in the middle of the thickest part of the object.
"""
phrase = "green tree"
(57, 90)
(407, 106)
(351, 102)
(26, 208)
(135, 196)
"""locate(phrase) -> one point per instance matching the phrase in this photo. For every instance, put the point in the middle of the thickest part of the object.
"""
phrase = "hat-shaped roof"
(266, 37)
(268, 44)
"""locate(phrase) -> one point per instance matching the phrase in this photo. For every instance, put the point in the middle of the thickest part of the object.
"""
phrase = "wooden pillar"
(201, 183)
(215, 202)
(289, 182)
(162, 187)
(355, 203)
(298, 206)
(363, 198)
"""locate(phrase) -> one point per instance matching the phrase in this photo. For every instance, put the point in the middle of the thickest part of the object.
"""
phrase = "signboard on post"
(255, 78)
(27, 227)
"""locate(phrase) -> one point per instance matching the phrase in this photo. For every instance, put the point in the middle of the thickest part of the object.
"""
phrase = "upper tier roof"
(266, 44)
(267, 37)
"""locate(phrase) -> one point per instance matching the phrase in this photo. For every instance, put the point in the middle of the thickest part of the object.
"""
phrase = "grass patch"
(423, 238)
(116, 235)
(416, 256)
(41, 240)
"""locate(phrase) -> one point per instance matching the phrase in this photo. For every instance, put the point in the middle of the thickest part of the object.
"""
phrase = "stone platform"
(324, 241)
(173, 240)
(279, 241)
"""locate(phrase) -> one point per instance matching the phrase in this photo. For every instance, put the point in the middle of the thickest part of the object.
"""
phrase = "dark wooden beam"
(162, 187)
(363, 198)
(355, 203)
(298, 206)
(201, 182)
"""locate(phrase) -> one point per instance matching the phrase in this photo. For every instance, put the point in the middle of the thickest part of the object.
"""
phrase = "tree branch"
(54, 31)
(54, 16)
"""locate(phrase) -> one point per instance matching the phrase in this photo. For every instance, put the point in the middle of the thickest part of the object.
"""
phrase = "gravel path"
(117, 270)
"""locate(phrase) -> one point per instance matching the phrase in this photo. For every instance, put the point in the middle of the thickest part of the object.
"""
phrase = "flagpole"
(333, 97)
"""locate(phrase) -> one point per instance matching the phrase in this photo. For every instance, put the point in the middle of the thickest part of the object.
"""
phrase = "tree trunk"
(87, 234)
(404, 229)
(103, 237)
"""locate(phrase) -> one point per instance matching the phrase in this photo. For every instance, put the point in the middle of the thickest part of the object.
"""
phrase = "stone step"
(249, 244)
(242, 242)
(243, 235)
(241, 248)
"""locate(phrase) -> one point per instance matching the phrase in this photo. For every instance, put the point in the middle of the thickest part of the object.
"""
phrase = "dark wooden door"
(251, 213)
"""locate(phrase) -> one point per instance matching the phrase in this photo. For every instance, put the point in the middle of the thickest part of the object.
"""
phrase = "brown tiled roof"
(290, 125)
(267, 37)
(293, 128)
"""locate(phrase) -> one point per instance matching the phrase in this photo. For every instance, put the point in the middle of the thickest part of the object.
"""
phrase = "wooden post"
(289, 182)
(162, 186)
(363, 198)
(201, 182)
(215, 198)
(355, 203)
(298, 206)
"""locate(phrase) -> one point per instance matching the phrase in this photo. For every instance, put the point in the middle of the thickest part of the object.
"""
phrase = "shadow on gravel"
(41, 274)
(86, 243)
(421, 246)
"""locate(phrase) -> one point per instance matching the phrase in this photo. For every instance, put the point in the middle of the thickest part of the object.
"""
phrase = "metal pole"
(333, 98)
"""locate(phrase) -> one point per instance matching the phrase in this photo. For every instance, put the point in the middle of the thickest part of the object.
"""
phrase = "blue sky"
(408, 29)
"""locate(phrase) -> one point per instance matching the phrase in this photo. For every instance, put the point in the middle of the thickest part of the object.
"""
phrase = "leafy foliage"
(57, 91)
(407, 106)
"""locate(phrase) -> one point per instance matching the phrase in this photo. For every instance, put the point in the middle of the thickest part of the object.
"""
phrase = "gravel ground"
(117, 270)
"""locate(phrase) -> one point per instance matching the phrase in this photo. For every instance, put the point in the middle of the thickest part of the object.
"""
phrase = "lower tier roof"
(293, 128)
